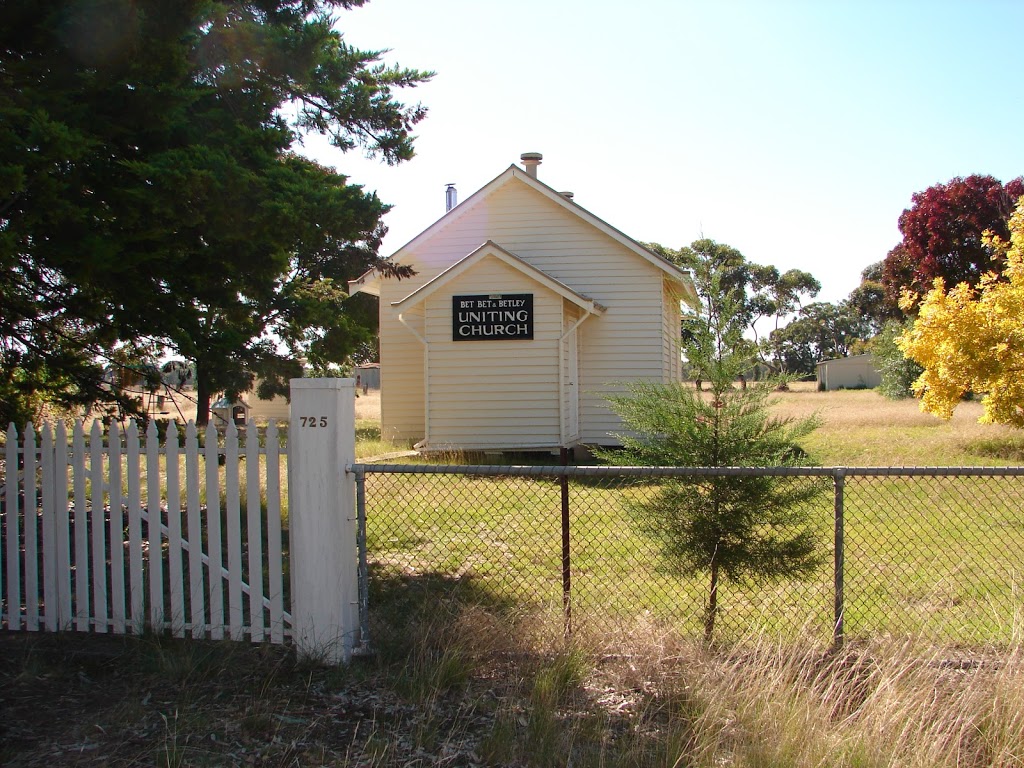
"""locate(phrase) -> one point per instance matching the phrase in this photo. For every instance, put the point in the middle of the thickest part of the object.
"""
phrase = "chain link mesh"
(940, 556)
(935, 556)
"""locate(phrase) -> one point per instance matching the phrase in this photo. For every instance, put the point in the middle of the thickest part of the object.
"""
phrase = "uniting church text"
(492, 317)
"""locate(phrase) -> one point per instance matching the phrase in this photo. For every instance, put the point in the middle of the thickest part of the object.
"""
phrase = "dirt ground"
(72, 700)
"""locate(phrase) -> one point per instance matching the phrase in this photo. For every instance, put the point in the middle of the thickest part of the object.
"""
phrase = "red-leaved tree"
(942, 234)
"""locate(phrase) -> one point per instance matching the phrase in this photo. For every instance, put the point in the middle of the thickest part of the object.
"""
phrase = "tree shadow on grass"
(431, 612)
(433, 633)
(401, 597)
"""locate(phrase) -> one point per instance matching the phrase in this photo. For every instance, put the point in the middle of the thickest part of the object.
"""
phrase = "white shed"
(525, 312)
(855, 372)
(276, 408)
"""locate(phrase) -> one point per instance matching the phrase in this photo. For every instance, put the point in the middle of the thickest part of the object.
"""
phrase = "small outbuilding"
(526, 311)
(854, 372)
(368, 375)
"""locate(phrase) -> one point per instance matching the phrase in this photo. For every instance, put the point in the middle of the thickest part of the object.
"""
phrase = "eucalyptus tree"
(756, 294)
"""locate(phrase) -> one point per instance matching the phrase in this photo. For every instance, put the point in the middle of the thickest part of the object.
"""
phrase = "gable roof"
(369, 282)
(492, 249)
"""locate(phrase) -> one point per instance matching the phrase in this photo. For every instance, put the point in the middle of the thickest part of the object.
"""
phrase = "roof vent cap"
(531, 160)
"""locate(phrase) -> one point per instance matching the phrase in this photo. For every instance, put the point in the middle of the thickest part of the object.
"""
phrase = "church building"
(525, 312)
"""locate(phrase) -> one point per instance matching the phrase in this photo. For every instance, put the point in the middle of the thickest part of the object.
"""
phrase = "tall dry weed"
(765, 703)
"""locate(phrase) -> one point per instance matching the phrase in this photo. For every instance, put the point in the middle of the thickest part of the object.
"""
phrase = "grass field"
(929, 556)
(470, 678)
(859, 428)
(935, 557)
(862, 428)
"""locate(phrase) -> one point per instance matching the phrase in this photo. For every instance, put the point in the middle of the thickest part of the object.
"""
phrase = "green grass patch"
(925, 556)
(369, 442)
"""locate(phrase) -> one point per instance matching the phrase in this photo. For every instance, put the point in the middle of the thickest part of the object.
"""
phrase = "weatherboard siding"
(484, 392)
(401, 371)
(671, 335)
(626, 342)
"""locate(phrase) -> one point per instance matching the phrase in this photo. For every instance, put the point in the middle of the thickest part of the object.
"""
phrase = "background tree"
(776, 296)
(869, 301)
(821, 331)
(972, 339)
(721, 276)
(149, 196)
(898, 372)
(734, 528)
(756, 293)
(943, 234)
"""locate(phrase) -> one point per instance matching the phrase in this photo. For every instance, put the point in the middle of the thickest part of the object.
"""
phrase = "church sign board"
(487, 317)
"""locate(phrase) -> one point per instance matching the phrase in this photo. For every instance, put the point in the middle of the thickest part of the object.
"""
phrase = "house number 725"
(313, 421)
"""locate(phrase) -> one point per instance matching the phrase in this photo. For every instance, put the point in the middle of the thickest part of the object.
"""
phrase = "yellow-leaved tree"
(972, 339)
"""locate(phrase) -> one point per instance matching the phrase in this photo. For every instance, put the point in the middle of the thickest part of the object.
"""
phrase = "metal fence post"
(364, 569)
(839, 480)
(566, 554)
(322, 518)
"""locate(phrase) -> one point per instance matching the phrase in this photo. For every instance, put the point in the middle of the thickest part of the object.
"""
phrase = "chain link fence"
(930, 553)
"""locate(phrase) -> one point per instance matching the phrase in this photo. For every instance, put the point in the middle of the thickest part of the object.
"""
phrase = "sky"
(794, 130)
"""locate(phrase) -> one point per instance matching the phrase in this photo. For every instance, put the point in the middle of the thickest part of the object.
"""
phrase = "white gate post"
(322, 518)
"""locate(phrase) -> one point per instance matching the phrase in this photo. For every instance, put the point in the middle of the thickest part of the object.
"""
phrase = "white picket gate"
(117, 533)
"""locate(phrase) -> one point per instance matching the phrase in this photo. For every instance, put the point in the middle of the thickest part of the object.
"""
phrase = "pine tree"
(738, 528)
(151, 194)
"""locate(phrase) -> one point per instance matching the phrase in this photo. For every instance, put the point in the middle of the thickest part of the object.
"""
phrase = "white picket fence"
(117, 533)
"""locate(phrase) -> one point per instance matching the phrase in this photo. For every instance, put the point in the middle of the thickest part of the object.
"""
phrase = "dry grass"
(760, 704)
(846, 408)
(456, 685)
(368, 406)
(862, 428)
